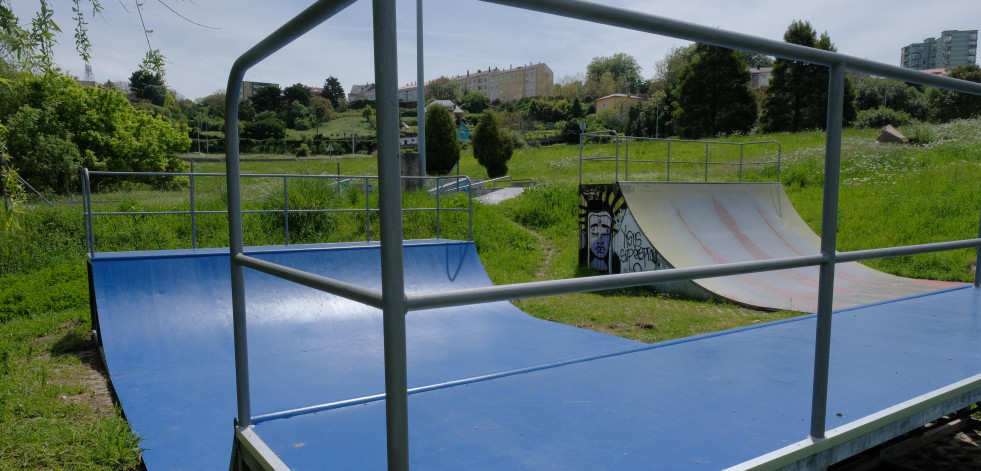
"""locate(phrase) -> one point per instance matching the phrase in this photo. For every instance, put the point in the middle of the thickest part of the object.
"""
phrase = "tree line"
(701, 91)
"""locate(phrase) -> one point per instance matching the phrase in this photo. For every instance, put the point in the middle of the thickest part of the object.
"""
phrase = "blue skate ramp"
(164, 321)
(495, 388)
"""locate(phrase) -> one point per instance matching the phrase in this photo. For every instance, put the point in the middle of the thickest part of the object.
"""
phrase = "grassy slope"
(50, 412)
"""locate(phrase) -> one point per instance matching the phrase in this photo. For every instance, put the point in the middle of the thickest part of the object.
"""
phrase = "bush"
(269, 128)
(492, 146)
(303, 150)
(57, 126)
(881, 116)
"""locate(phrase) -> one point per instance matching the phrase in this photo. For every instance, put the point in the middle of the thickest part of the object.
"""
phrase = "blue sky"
(461, 35)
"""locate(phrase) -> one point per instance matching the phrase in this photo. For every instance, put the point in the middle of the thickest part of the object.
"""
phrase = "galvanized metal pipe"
(420, 93)
(534, 289)
(286, 209)
(390, 205)
(350, 291)
(829, 231)
(299, 25)
(194, 237)
(706, 162)
(626, 158)
(869, 254)
(977, 263)
(741, 148)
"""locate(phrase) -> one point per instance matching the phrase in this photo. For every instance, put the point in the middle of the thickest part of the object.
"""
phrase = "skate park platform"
(490, 386)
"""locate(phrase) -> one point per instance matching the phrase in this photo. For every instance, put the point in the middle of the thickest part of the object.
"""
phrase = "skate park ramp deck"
(699, 224)
(490, 386)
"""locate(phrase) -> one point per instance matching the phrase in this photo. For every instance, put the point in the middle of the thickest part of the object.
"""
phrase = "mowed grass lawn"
(55, 409)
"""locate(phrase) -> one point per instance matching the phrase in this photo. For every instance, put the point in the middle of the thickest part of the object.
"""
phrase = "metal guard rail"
(90, 213)
(705, 161)
(394, 302)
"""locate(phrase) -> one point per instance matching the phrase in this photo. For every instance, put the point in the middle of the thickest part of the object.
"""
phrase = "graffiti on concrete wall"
(610, 240)
(632, 247)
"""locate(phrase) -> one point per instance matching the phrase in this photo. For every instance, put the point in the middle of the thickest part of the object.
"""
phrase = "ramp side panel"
(166, 325)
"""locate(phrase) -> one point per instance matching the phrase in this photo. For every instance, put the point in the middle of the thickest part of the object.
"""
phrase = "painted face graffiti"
(599, 238)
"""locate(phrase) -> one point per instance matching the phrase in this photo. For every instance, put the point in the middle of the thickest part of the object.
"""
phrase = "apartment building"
(952, 49)
(513, 83)
(508, 84)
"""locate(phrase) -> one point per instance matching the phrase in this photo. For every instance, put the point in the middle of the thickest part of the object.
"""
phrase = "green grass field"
(56, 414)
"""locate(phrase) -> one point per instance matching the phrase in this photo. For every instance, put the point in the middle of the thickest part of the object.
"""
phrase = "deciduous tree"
(946, 105)
(874, 93)
(59, 126)
(475, 102)
(444, 89)
(297, 92)
(623, 69)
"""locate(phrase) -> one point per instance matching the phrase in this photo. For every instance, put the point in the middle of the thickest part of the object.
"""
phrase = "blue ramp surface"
(164, 320)
(493, 387)
(709, 402)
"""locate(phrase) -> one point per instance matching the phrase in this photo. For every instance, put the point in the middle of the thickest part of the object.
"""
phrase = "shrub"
(57, 126)
(442, 147)
(881, 116)
(492, 146)
(269, 128)
(303, 150)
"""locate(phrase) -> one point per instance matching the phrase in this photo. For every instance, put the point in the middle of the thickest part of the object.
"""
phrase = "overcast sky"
(460, 35)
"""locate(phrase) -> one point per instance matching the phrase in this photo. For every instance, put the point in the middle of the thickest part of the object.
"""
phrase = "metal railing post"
(420, 93)
(741, 147)
(296, 27)
(616, 156)
(706, 162)
(669, 162)
(829, 229)
(626, 158)
(470, 214)
(367, 211)
(194, 238)
(390, 208)
(580, 158)
(438, 191)
(779, 156)
(977, 263)
(87, 208)
(286, 209)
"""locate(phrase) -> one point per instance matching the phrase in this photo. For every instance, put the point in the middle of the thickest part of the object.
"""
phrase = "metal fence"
(731, 157)
(395, 302)
(339, 182)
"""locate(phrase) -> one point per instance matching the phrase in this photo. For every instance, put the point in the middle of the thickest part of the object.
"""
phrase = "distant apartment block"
(511, 84)
(250, 88)
(951, 49)
(514, 83)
